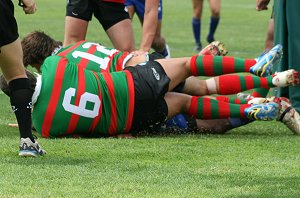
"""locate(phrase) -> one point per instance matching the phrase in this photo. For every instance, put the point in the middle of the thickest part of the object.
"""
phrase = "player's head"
(37, 46)
(5, 87)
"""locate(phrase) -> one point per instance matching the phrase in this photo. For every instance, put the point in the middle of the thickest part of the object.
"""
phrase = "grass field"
(261, 159)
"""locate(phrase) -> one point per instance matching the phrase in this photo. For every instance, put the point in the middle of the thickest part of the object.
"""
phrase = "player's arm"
(262, 4)
(29, 6)
(149, 24)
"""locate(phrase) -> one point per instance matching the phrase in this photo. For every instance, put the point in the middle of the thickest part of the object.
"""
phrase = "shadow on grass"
(15, 160)
(262, 186)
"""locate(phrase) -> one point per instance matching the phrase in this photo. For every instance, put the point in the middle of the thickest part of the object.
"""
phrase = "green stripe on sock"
(199, 61)
(218, 67)
(239, 64)
(200, 108)
(214, 109)
(242, 83)
(256, 81)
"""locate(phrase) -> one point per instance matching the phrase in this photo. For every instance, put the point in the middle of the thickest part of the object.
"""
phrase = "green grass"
(261, 159)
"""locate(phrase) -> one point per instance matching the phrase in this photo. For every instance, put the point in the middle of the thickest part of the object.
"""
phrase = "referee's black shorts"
(8, 23)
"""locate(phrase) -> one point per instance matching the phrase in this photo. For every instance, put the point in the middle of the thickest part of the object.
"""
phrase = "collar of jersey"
(56, 50)
(37, 89)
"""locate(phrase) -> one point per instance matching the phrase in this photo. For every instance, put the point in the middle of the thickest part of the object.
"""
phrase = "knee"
(158, 43)
(215, 12)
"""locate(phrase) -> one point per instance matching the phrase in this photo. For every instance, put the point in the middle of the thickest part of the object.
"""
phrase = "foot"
(286, 78)
(30, 149)
(210, 38)
(288, 115)
(265, 62)
(215, 48)
(245, 96)
(267, 111)
(198, 47)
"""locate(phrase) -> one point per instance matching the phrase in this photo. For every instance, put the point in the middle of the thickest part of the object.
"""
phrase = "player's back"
(94, 56)
(77, 101)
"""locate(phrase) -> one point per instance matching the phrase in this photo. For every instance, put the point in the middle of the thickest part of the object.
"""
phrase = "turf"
(261, 159)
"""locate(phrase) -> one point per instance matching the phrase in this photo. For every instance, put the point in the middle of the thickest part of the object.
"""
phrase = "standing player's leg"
(11, 63)
(78, 15)
(114, 20)
(196, 23)
(215, 8)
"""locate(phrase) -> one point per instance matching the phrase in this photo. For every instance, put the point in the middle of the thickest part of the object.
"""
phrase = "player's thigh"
(215, 7)
(123, 41)
(177, 69)
(11, 61)
(117, 24)
(75, 29)
(197, 8)
(177, 103)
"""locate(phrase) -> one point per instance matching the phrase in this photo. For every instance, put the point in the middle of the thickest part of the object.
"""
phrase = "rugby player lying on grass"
(114, 103)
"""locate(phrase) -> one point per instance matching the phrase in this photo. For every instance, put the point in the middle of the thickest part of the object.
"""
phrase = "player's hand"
(29, 6)
(262, 4)
(138, 53)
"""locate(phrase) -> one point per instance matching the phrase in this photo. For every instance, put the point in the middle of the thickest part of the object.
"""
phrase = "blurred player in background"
(215, 8)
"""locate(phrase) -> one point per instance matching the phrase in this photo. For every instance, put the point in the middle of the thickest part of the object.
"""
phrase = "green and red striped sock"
(208, 65)
(231, 100)
(231, 84)
(207, 108)
(260, 92)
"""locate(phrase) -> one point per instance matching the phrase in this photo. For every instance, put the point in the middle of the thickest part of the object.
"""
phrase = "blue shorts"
(139, 7)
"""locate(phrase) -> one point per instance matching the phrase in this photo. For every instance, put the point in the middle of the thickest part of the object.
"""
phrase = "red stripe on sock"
(228, 65)
(237, 101)
(207, 113)
(224, 109)
(242, 110)
(229, 84)
(193, 65)
(208, 65)
(249, 63)
(222, 98)
(264, 83)
(249, 82)
(193, 106)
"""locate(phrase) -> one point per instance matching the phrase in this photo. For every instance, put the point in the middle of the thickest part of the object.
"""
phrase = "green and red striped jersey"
(74, 100)
(95, 56)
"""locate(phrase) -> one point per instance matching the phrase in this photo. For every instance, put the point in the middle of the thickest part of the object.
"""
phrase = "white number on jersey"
(81, 108)
(103, 62)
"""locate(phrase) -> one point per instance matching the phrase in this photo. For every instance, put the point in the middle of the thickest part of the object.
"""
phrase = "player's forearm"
(149, 26)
